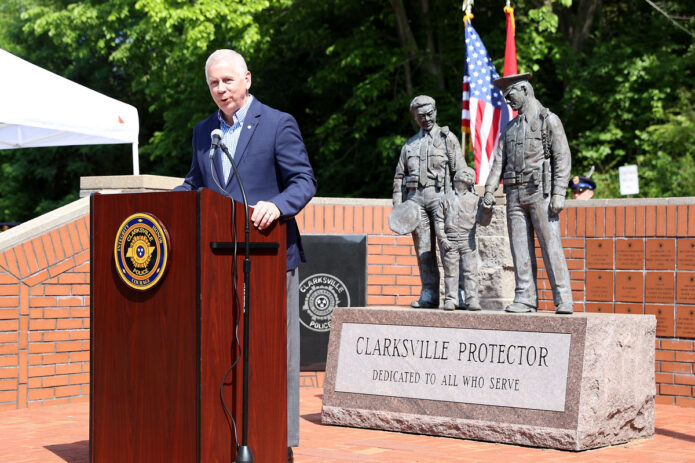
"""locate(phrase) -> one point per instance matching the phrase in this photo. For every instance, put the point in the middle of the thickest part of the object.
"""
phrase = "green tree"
(617, 72)
(148, 53)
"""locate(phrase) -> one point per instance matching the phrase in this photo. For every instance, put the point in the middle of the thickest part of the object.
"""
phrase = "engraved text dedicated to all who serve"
(487, 367)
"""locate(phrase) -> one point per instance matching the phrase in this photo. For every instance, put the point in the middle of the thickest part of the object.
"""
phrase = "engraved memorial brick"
(633, 309)
(685, 287)
(599, 254)
(686, 254)
(685, 321)
(660, 287)
(629, 287)
(599, 307)
(664, 318)
(629, 254)
(660, 254)
(599, 285)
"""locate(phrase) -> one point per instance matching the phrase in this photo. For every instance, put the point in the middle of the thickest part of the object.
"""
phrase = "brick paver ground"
(59, 433)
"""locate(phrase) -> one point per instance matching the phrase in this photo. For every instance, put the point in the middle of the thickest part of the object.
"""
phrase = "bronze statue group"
(434, 199)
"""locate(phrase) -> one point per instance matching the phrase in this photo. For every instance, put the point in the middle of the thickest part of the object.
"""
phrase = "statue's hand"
(446, 245)
(557, 203)
(489, 199)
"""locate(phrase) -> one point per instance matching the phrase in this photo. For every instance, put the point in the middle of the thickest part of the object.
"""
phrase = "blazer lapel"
(250, 123)
(217, 159)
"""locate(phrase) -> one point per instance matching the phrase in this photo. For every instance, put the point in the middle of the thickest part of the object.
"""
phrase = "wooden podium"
(159, 356)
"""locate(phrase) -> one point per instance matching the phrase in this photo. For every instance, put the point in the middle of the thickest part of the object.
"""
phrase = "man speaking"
(273, 164)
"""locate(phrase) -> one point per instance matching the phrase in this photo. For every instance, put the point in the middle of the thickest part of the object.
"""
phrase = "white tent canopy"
(39, 108)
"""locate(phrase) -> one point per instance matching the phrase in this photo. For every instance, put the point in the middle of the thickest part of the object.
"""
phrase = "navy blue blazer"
(272, 162)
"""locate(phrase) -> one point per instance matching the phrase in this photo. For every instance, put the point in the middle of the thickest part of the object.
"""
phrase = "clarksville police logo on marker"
(321, 293)
(141, 251)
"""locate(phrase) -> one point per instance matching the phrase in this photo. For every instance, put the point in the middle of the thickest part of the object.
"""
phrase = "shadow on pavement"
(77, 452)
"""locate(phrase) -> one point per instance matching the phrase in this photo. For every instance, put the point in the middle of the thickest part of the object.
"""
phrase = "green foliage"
(619, 79)
(148, 53)
(628, 79)
(669, 167)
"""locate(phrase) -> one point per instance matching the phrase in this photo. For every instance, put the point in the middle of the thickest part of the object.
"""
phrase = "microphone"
(216, 136)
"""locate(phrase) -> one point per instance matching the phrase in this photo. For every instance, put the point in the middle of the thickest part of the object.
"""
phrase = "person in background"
(582, 187)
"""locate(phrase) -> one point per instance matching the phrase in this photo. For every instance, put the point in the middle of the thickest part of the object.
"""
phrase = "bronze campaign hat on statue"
(503, 83)
(404, 217)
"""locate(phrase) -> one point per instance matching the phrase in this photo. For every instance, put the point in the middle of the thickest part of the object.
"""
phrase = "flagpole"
(467, 6)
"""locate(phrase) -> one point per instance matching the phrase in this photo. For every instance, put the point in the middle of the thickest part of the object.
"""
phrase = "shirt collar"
(238, 116)
(434, 131)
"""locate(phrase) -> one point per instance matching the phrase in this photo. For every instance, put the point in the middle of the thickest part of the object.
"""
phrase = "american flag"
(484, 112)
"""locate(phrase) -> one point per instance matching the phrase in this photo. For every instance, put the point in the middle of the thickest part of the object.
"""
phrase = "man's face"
(426, 117)
(228, 86)
(516, 96)
(582, 195)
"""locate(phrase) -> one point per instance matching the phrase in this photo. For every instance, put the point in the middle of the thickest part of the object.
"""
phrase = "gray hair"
(226, 54)
(421, 100)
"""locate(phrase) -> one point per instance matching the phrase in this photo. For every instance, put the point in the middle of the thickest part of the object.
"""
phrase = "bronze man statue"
(533, 158)
(425, 168)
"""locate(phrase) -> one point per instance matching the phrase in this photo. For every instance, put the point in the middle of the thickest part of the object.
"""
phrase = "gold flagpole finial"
(467, 6)
(510, 10)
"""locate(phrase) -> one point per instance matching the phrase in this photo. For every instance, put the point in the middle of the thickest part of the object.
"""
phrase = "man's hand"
(264, 214)
(446, 244)
(557, 203)
(489, 199)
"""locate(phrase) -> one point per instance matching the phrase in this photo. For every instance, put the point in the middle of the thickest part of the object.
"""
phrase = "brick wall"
(638, 256)
(44, 286)
(659, 278)
(44, 318)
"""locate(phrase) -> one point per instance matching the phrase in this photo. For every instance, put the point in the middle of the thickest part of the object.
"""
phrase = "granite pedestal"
(567, 382)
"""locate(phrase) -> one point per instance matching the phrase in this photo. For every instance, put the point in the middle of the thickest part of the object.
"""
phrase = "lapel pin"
(248, 127)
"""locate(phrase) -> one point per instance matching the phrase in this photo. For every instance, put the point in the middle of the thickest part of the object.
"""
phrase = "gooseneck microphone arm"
(216, 137)
(244, 453)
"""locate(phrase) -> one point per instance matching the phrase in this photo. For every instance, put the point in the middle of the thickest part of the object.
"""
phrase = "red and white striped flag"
(484, 111)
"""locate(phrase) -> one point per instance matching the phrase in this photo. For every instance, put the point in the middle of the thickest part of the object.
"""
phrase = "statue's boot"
(420, 304)
(473, 304)
(519, 307)
(449, 305)
(429, 298)
(564, 308)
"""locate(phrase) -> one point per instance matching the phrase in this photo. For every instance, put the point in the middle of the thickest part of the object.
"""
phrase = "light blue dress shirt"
(230, 134)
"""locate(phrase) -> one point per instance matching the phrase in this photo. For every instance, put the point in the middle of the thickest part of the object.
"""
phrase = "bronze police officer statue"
(533, 158)
(425, 168)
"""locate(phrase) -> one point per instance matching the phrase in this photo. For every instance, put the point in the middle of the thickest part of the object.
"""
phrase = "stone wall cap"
(111, 182)
(44, 223)
(630, 202)
(542, 313)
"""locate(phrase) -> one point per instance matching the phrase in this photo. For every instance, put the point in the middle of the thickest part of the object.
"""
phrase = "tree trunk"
(407, 39)
(432, 62)
(576, 23)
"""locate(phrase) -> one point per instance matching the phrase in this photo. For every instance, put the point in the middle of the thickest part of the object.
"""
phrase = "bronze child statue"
(455, 224)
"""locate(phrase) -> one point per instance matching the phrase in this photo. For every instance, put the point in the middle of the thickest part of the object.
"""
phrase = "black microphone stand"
(244, 453)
